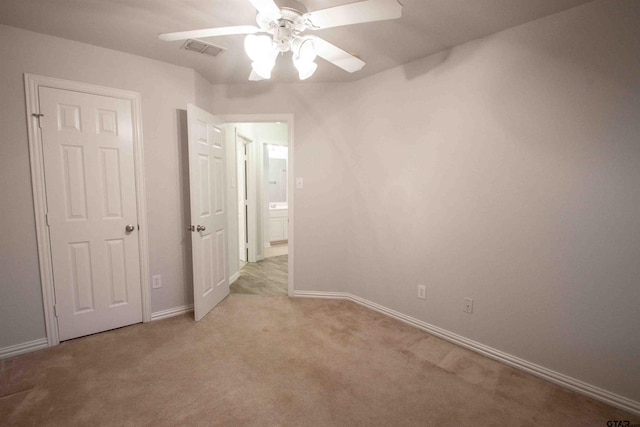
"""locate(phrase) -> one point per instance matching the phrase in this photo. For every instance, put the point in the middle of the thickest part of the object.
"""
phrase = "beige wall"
(507, 170)
(165, 90)
(504, 170)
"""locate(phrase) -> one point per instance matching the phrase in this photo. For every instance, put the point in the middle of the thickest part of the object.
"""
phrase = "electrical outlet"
(468, 305)
(156, 281)
(422, 291)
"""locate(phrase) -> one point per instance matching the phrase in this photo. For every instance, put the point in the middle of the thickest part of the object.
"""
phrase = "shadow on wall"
(185, 201)
(426, 65)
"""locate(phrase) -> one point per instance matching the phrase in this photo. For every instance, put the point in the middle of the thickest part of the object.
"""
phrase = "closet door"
(91, 210)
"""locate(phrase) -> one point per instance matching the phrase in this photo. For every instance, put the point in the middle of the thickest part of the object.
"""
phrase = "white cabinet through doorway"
(278, 225)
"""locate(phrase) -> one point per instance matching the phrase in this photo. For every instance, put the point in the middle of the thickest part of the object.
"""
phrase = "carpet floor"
(269, 361)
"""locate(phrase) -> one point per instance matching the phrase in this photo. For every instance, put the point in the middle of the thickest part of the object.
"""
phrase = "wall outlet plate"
(468, 305)
(422, 291)
(156, 281)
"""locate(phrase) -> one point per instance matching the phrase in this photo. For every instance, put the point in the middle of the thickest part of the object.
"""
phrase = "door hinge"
(47, 218)
(55, 310)
(38, 116)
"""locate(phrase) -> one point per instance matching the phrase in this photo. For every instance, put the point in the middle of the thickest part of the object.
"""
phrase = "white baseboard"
(508, 359)
(25, 347)
(326, 295)
(234, 277)
(176, 311)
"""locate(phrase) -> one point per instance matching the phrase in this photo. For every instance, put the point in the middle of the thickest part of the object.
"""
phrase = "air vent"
(202, 48)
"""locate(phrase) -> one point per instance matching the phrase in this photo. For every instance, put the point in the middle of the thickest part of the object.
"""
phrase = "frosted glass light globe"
(305, 68)
(258, 48)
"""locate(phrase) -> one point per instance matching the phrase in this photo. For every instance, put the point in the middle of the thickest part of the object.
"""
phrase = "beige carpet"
(266, 361)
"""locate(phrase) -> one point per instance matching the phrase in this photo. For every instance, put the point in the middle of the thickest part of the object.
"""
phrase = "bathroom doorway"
(275, 173)
(263, 175)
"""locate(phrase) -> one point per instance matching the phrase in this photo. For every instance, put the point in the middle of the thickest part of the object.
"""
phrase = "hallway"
(267, 277)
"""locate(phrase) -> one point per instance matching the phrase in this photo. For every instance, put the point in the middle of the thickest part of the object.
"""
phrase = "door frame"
(250, 215)
(32, 83)
(241, 192)
(288, 119)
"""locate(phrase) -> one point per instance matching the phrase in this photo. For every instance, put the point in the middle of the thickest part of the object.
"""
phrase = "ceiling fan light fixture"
(285, 23)
(305, 68)
(258, 48)
(263, 68)
(304, 48)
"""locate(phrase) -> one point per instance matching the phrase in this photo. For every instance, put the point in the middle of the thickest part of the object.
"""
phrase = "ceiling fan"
(283, 27)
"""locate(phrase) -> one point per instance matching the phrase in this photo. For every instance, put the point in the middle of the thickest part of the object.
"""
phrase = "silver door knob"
(201, 228)
(129, 228)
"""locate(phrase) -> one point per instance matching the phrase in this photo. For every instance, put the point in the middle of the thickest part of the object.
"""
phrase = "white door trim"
(251, 216)
(32, 83)
(288, 119)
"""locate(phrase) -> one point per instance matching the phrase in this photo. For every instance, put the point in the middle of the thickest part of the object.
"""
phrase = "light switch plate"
(422, 291)
(299, 183)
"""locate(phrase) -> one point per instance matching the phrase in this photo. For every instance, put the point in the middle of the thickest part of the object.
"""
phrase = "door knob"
(129, 228)
(201, 228)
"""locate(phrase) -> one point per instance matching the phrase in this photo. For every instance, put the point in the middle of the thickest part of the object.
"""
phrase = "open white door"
(208, 210)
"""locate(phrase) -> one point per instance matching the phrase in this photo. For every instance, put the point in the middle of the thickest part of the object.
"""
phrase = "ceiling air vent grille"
(202, 48)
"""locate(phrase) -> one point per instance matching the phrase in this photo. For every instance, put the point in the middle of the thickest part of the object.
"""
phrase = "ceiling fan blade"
(354, 13)
(267, 8)
(254, 77)
(210, 32)
(337, 56)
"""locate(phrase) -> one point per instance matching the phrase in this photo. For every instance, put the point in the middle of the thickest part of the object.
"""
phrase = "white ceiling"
(426, 27)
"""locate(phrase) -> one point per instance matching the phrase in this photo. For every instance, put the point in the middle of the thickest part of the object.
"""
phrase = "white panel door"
(91, 198)
(208, 210)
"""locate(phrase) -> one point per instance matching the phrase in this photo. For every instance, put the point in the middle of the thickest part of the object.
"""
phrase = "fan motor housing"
(282, 37)
(292, 5)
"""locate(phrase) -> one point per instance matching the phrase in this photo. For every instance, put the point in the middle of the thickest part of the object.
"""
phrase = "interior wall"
(165, 89)
(507, 171)
(504, 170)
(320, 119)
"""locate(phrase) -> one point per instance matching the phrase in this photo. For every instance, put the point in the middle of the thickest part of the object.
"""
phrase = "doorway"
(263, 179)
(275, 184)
